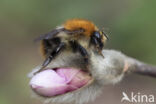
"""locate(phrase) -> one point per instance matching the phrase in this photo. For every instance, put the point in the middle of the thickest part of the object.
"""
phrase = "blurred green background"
(130, 24)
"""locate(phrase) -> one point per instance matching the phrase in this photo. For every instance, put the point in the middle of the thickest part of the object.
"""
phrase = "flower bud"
(59, 81)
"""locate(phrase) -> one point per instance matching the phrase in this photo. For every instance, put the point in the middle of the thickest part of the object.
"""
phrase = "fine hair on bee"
(104, 71)
(79, 35)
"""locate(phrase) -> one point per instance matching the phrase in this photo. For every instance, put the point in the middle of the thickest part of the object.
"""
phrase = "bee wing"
(49, 35)
(54, 32)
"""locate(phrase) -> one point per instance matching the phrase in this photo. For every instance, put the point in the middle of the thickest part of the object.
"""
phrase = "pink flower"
(55, 82)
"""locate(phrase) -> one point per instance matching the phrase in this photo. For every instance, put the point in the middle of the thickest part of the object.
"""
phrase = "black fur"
(78, 48)
(49, 44)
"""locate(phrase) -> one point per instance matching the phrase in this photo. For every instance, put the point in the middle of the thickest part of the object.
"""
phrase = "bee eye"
(97, 34)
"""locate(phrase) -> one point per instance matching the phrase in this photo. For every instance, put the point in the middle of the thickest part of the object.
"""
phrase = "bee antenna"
(106, 35)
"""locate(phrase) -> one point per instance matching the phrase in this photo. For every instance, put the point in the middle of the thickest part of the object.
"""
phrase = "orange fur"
(42, 49)
(75, 24)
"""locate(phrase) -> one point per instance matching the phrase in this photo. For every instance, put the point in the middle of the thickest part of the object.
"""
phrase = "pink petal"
(67, 73)
(80, 79)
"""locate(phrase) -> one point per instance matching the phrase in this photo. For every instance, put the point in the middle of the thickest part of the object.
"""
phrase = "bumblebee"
(78, 34)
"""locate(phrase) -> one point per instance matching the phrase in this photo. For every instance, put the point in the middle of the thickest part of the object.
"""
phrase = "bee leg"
(101, 45)
(51, 56)
(84, 53)
(95, 42)
(78, 48)
(98, 44)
